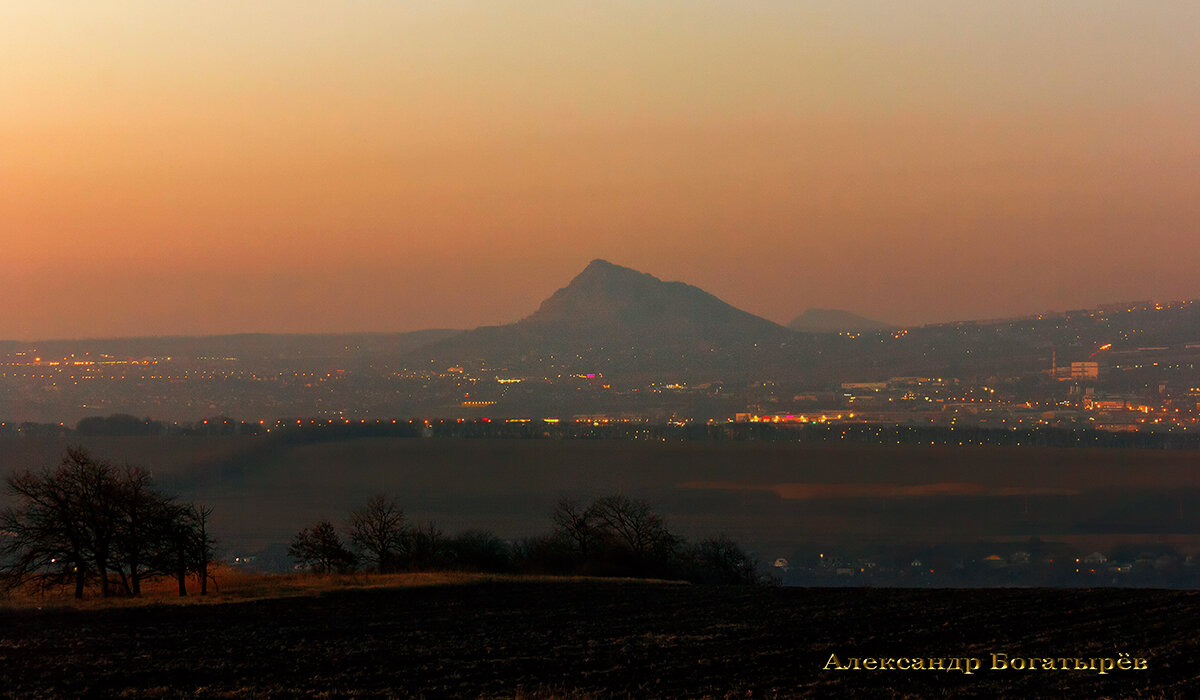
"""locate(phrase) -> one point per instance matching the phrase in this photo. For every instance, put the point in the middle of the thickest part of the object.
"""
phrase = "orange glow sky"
(214, 167)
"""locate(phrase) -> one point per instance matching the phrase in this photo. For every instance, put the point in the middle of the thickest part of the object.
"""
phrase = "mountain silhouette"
(834, 321)
(613, 302)
(611, 316)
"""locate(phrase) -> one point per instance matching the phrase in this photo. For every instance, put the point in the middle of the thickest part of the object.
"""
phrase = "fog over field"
(771, 497)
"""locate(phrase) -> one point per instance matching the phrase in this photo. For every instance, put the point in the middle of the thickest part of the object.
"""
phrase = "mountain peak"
(613, 316)
(625, 301)
(599, 270)
(834, 321)
(607, 293)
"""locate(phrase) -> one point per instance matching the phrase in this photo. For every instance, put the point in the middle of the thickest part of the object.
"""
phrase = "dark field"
(605, 639)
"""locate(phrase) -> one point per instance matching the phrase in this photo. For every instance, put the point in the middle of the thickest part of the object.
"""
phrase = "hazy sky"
(212, 167)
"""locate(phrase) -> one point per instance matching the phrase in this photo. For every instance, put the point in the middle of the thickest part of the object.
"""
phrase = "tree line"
(612, 535)
(88, 522)
(120, 424)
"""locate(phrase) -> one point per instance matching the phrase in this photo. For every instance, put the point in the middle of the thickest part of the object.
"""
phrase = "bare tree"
(87, 520)
(577, 525)
(185, 544)
(41, 537)
(723, 561)
(479, 550)
(634, 525)
(426, 546)
(615, 535)
(68, 516)
(139, 538)
(321, 549)
(202, 544)
(378, 532)
(177, 554)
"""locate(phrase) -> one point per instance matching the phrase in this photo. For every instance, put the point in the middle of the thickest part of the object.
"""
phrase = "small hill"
(834, 321)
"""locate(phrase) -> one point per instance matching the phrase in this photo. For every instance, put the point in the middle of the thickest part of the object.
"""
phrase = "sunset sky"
(217, 167)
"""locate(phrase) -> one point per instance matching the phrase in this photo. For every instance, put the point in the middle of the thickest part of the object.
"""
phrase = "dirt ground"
(599, 639)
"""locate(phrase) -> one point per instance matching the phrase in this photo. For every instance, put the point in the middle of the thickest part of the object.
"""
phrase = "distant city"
(1127, 368)
(617, 345)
